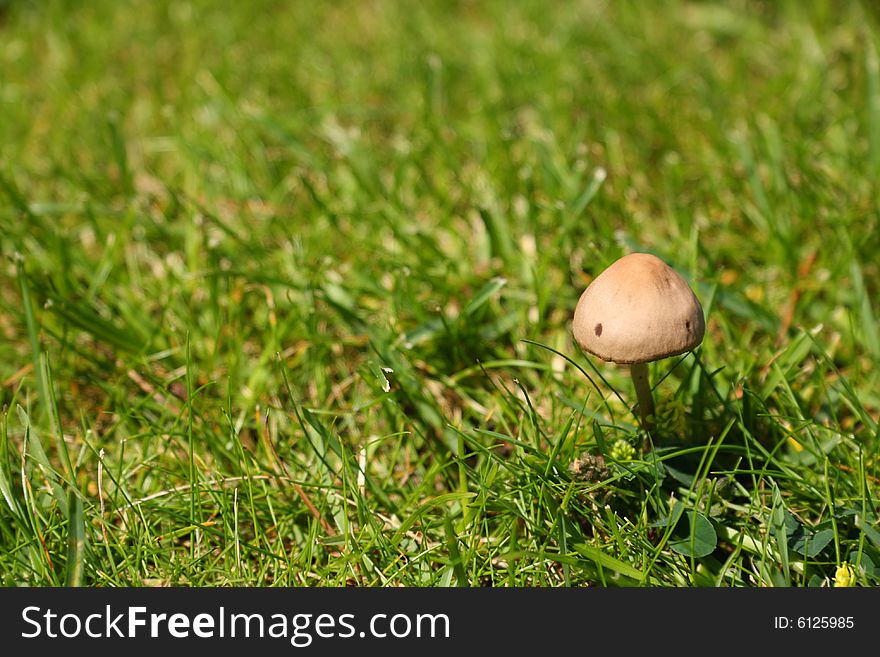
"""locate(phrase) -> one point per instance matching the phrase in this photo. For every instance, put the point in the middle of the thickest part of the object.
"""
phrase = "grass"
(286, 291)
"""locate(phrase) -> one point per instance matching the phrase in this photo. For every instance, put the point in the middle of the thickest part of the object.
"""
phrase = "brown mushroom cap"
(638, 310)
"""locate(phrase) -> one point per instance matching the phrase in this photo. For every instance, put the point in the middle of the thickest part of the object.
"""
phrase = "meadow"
(286, 292)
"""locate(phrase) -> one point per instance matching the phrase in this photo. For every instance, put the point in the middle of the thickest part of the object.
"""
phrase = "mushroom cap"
(638, 310)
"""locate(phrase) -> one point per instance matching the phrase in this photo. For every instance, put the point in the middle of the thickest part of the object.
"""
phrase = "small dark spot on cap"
(598, 330)
(687, 324)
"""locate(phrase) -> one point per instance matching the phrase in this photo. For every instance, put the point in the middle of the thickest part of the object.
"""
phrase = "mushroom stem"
(639, 373)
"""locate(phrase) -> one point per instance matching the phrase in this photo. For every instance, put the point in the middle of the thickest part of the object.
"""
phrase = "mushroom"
(636, 311)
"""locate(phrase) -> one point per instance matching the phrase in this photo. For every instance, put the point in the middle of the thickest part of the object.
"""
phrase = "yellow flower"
(621, 450)
(669, 419)
(844, 576)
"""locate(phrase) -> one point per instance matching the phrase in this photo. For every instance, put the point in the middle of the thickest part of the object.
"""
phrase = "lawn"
(286, 292)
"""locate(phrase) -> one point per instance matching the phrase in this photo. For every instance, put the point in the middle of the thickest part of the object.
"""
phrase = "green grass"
(286, 292)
